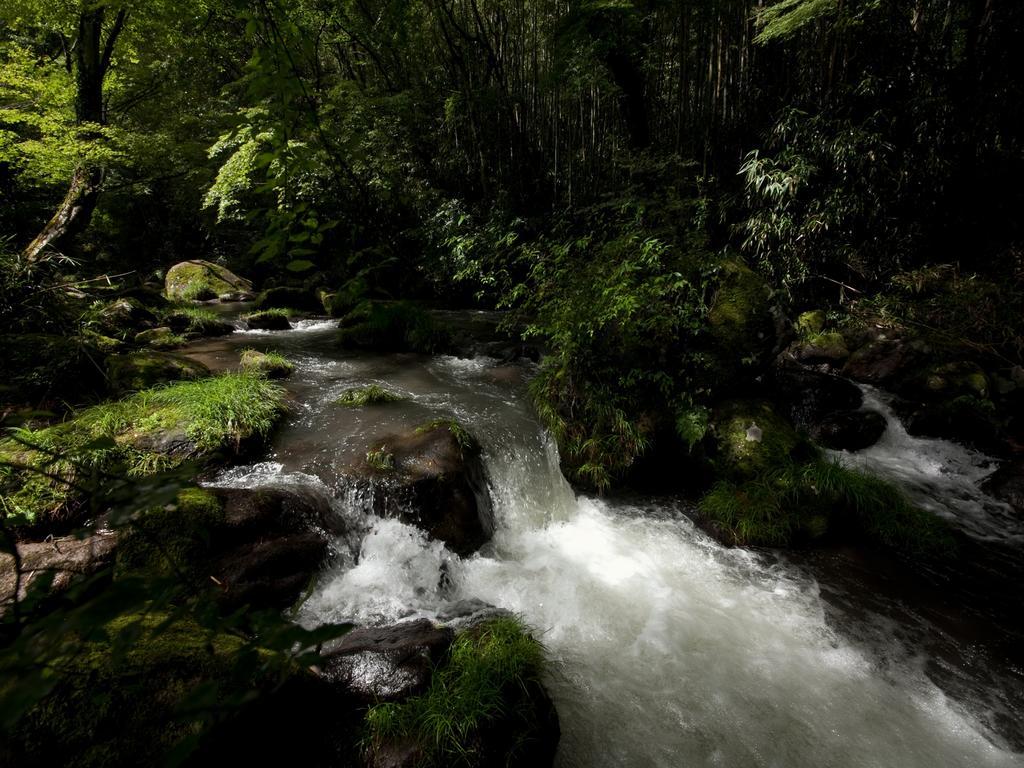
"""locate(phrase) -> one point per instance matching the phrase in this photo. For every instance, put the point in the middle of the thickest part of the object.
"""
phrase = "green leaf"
(300, 265)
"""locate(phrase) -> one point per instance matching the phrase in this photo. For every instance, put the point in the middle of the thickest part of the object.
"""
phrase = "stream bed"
(667, 648)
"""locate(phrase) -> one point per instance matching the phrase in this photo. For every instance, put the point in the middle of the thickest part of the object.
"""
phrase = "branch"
(108, 49)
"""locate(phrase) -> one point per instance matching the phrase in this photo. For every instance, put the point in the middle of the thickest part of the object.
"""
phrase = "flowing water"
(668, 649)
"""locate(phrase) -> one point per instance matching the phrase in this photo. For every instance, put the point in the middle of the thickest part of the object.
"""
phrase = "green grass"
(42, 471)
(381, 459)
(185, 319)
(795, 503)
(357, 397)
(269, 363)
(486, 677)
(287, 314)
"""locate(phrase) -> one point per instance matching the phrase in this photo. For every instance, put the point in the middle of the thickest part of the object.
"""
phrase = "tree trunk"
(92, 59)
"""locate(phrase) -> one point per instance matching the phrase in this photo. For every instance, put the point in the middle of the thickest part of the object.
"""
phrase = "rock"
(64, 559)
(268, 321)
(387, 663)
(272, 366)
(947, 381)
(146, 369)
(848, 430)
(123, 318)
(433, 478)
(812, 322)
(236, 296)
(821, 348)
(284, 297)
(964, 419)
(260, 547)
(1007, 484)
(880, 362)
(199, 280)
(751, 437)
(198, 323)
(392, 326)
(741, 323)
(159, 338)
(807, 396)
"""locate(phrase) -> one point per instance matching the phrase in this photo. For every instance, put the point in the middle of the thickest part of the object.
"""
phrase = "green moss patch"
(270, 364)
(47, 473)
(197, 321)
(199, 280)
(270, 319)
(752, 438)
(145, 369)
(358, 397)
(484, 684)
(162, 338)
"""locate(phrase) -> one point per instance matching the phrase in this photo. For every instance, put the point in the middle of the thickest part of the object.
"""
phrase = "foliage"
(792, 503)
(398, 326)
(372, 394)
(487, 676)
(380, 459)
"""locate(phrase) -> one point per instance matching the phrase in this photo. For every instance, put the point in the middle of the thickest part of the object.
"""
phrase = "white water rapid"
(668, 650)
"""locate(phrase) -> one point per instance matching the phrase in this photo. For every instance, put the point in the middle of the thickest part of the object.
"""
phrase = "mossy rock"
(162, 338)
(44, 367)
(268, 320)
(812, 322)
(121, 318)
(269, 364)
(740, 320)
(372, 394)
(285, 297)
(752, 438)
(951, 380)
(828, 347)
(199, 280)
(392, 326)
(194, 321)
(46, 475)
(145, 369)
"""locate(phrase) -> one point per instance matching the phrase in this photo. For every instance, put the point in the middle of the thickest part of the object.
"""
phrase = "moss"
(810, 323)
(146, 369)
(194, 320)
(739, 319)
(201, 280)
(269, 364)
(124, 700)
(270, 319)
(392, 327)
(794, 503)
(752, 438)
(485, 681)
(172, 540)
(358, 397)
(956, 379)
(121, 318)
(149, 431)
(162, 338)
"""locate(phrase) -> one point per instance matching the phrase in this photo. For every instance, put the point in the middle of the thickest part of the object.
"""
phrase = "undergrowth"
(486, 676)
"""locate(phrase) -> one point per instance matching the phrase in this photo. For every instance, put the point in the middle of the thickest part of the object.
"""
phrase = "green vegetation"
(269, 319)
(380, 459)
(196, 320)
(372, 394)
(487, 677)
(273, 365)
(145, 369)
(44, 472)
(798, 503)
(465, 440)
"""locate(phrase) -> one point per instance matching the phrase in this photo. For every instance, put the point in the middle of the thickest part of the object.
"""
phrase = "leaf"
(299, 265)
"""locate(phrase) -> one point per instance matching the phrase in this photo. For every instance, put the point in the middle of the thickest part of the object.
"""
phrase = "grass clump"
(796, 503)
(462, 436)
(487, 678)
(196, 320)
(381, 459)
(357, 397)
(273, 365)
(47, 473)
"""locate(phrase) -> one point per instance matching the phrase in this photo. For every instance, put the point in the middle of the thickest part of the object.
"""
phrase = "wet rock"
(159, 338)
(123, 318)
(199, 280)
(752, 437)
(387, 663)
(433, 478)
(271, 366)
(142, 370)
(964, 419)
(195, 324)
(235, 296)
(880, 362)
(63, 559)
(807, 396)
(1007, 484)
(848, 430)
(821, 349)
(947, 381)
(268, 321)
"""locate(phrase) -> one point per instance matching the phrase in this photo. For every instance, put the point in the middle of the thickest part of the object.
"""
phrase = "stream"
(667, 648)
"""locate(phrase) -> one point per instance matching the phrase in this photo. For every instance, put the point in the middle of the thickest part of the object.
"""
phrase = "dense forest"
(291, 291)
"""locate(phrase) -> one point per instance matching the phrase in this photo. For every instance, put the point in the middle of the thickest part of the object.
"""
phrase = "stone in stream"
(432, 477)
(147, 368)
(198, 280)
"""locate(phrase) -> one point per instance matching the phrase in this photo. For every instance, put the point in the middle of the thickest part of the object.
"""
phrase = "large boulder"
(260, 547)
(199, 280)
(752, 438)
(387, 663)
(122, 318)
(848, 430)
(147, 368)
(162, 337)
(881, 361)
(432, 477)
(268, 320)
(61, 560)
